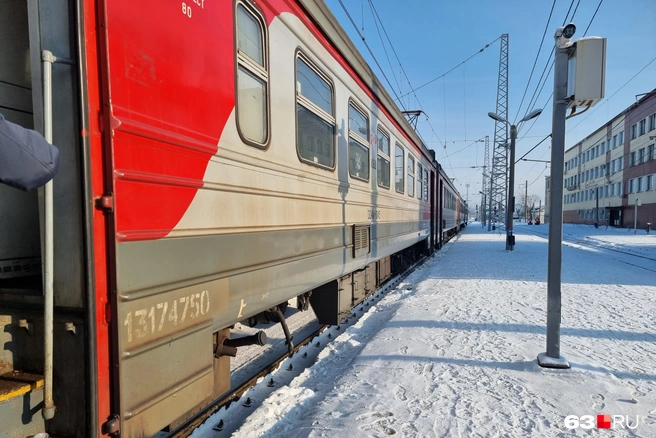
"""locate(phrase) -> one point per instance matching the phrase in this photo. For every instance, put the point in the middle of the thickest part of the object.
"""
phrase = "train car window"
(399, 169)
(383, 166)
(425, 184)
(358, 143)
(315, 122)
(411, 175)
(252, 77)
(420, 181)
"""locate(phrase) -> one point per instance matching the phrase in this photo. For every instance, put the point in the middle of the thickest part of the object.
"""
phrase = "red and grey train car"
(218, 158)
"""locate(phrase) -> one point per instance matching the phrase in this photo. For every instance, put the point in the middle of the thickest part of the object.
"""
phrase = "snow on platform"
(452, 351)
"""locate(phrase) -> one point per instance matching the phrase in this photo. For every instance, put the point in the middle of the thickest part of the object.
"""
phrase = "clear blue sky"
(432, 36)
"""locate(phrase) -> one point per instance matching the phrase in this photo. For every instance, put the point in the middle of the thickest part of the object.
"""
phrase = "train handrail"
(48, 411)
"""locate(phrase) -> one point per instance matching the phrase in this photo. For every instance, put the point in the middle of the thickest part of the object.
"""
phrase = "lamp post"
(483, 208)
(510, 203)
(635, 215)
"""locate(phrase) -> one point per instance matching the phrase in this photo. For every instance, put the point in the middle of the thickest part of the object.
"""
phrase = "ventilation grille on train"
(361, 240)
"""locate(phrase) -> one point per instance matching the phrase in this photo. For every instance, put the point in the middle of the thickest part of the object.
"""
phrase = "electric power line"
(593, 17)
(450, 70)
(611, 96)
(370, 51)
(546, 27)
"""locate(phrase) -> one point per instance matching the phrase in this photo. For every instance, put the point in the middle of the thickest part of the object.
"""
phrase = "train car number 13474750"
(149, 321)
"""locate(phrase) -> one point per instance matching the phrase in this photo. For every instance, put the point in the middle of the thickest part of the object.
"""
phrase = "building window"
(612, 166)
(634, 131)
(643, 126)
(358, 143)
(252, 77)
(639, 184)
(650, 182)
(621, 138)
(619, 189)
(612, 190)
(650, 152)
(596, 149)
(606, 194)
(399, 170)
(596, 172)
(614, 141)
(652, 122)
(632, 159)
(383, 167)
(620, 163)
(631, 186)
(411, 175)
(641, 156)
(315, 130)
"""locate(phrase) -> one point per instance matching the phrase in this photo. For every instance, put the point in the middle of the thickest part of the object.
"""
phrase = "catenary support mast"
(499, 172)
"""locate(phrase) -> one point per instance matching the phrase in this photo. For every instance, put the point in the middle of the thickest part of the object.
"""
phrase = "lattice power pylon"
(485, 215)
(499, 170)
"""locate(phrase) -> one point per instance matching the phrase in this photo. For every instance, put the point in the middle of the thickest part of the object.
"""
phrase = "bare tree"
(524, 204)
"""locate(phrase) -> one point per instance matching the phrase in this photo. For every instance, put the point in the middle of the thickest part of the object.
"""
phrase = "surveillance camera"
(569, 31)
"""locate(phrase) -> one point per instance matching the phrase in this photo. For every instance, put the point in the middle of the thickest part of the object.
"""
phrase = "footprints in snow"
(598, 401)
(381, 420)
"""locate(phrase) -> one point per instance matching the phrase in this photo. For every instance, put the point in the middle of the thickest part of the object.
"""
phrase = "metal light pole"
(483, 207)
(489, 210)
(635, 216)
(552, 358)
(510, 202)
(467, 199)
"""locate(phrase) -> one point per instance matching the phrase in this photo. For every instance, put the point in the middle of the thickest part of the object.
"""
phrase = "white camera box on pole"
(587, 72)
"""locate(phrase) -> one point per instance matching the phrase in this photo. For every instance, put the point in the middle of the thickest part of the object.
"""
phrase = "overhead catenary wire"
(452, 69)
(380, 36)
(611, 96)
(533, 148)
(544, 34)
(377, 17)
(593, 17)
(549, 63)
(370, 52)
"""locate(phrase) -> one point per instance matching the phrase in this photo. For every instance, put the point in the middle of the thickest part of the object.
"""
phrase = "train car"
(217, 160)
(453, 208)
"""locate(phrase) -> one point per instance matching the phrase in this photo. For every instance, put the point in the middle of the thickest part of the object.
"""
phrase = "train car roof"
(326, 21)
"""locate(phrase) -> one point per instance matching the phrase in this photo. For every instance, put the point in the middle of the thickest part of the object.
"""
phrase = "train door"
(433, 215)
(440, 219)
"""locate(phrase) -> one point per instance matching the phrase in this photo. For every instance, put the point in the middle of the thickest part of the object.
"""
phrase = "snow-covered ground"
(452, 350)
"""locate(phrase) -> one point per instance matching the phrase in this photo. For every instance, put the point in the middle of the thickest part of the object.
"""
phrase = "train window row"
(315, 113)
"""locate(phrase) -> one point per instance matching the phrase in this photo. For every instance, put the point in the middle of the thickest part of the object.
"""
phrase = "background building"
(606, 172)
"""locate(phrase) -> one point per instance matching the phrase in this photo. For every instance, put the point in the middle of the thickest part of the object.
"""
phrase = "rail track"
(224, 402)
(595, 246)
